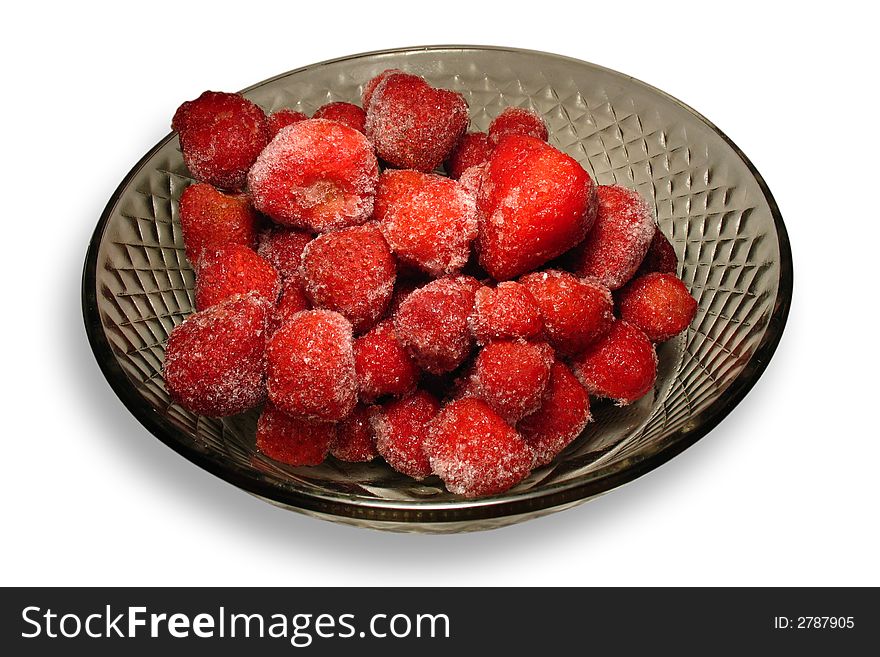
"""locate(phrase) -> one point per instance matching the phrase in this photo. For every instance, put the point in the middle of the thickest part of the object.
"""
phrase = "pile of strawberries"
(453, 325)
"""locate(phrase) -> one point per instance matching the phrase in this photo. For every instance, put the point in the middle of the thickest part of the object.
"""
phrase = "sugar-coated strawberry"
(281, 119)
(311, 366)
(619, 240)
(511, 376)
(432, 323)
(621, 366)
(576, 312)
(517, 121)
(210, 219)
(345, 113)
(535, 203)
(412, 124)
(658, 304)
(504, 312)
(474, 451)
(660, 256)
(351, 271)
(234, 269)
(356, 441)
(382, 365)
(292, 440)
(214, 360)
(221, 134)
(473, 149)
(564, 412)
(472, 179)
(370, 86)
(291, 301)
(429, 221)
(283, 247)
(401, 427)
(315, 174)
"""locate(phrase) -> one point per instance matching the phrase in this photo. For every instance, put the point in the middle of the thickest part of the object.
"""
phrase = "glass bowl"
(710, 201)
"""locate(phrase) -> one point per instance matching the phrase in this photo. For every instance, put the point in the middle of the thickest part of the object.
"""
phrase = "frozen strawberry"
(511, 377)
(622, 366)
(356, 442)
(352, 272)
(660, 257)
(429, 221)
(564, 412)
(382, 365)
(283, 118)
(311, 366)
(234, 269)
(616, 246)
(576, 312)
(283, 248)
(221, 135)
(370, 87)
(214, 360)
(473, 149)
(210, 219)
(474, 451)
(472, 179)
(503, 312)
(535, 203)
(401, 427)
(291, 440)
(315, 174)
(412, 124)
(432, 323)
(517, 121)
(658, 304)
(292, 300)
(345, 113)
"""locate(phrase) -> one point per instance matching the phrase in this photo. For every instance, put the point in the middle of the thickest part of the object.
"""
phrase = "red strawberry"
(621, 366)
(210, 219)
(535, 203)
(660, 257)
(234, 269)
(283, 248)
(517, 121)
(283, 118)
(576, 312)
(471, 150)
(214, 360)
(382, 365)
(292, 440)
(659, 304)
(344, 113)
(370, 87)
(432, 323)
(401, 427)
(221, 134)
(505, 311)
(564, 413)
(311, 366)
(412, 124)
(315, 174)
(352, 272)
(474, 451)
(511, 375)
(616, 246)
(357, 440)
(428, 220)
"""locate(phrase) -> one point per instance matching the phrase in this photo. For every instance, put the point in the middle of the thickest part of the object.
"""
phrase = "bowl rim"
(426, 512)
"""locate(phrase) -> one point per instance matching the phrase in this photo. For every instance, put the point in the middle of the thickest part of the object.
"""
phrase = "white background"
(783, 492)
